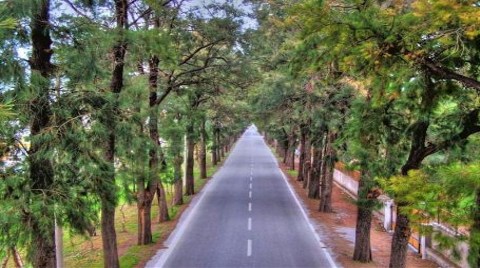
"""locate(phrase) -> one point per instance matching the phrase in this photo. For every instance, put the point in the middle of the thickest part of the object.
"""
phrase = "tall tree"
(42, 251)
(109, 120)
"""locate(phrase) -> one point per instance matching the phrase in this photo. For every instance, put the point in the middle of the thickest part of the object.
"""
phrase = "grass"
(81, 251)
(293, 173)
(85, 251)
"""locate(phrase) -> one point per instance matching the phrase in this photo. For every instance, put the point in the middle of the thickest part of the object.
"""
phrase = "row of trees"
(101, 110)
(388, 88)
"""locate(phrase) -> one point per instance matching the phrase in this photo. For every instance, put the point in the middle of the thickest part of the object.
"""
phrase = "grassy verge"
(292, 173)
(81, 251)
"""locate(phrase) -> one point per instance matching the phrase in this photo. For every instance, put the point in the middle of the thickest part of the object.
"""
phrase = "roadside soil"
(337, 230)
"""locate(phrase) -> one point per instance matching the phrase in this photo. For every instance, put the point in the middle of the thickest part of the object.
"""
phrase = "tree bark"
(219, 146)
(155, 154)
(203, 150)
(400, 242)
(42, 249)
(146, 193)
(416, 155)
(178, 185)
(285, 151)
(222, 146)
(323, 165)
(314, 182)
(362, 250)
(292, 144)
(144, 207)
(108, 199)
(214, 147)
(162, 203)
(190, 187)
(17, 259)
(302, 158)
(329, 164)
(307, 163)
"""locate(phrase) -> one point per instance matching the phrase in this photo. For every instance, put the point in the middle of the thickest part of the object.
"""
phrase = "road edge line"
(158, 260)
(304, 213)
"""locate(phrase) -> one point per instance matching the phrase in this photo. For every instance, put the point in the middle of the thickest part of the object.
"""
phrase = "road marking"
(249, 224)
(250, 185)
(249, 206)
(250, 194)
(251, 178)
(306, 218)
(249, 248)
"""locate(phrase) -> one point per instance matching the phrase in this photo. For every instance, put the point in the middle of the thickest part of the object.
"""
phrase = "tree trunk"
(327, 173)
(222, 146)
(302, 158)
(219, 144)
(144, 206)
(108, 199)
(146, 193)
(323, 165)
(314, 182)
(307, 163)
(308, 172)
(362, 251)
(203, 150)
(177, 177)
(214, 148)
(285, 151)
(162, 203)
(416, 155)
(190, 187)
(17, 259)
(400, 242)
(42, 249)
(292, 144)
(109, 236)
(155, 185)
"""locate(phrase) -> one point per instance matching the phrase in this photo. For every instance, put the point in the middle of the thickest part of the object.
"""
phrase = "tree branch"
(72, 6)
(189, 57)
(443, 72)
(142, 15)
(470, 126)
(164, 95)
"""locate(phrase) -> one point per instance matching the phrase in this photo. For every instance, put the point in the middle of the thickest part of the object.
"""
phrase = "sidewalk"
(337, 230)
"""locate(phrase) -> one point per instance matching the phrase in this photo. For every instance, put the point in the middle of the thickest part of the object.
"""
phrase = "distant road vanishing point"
(247, 216)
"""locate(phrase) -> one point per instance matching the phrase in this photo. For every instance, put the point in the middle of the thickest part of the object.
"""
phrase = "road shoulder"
(337, 229)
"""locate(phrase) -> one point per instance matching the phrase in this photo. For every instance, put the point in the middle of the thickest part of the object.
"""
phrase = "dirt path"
(338, 230)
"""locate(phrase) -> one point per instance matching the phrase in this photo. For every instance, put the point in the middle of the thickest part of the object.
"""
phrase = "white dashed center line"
(249, 224)
(250, 194)
(249, 248)
(250, 185)
(249, 206)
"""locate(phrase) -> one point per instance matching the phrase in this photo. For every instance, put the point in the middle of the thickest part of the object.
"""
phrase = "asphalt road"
(247, 216)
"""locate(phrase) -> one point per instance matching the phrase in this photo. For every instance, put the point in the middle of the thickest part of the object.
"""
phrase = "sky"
(248, 22)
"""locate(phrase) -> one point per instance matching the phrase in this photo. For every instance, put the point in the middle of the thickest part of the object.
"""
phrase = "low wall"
(347, 182)
(423, 245)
